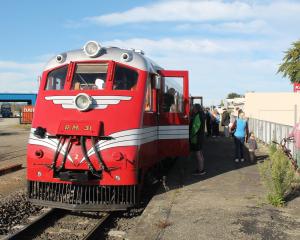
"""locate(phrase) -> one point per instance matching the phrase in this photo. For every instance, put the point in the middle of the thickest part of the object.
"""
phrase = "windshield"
(89, 76)
(56, 79)
(125, 78)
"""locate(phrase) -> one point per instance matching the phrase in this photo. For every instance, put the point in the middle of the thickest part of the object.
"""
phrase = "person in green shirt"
(197, 124)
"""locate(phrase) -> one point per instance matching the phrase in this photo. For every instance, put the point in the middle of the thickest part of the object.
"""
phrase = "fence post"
(295, 114)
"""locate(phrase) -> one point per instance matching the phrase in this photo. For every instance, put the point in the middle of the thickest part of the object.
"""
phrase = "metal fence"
(267, 132)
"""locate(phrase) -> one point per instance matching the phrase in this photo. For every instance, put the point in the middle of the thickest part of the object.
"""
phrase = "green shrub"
(272, 149)
(278, 176)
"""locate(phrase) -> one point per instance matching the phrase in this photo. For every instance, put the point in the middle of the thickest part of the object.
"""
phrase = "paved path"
(13, 144)
(13, 140)
(227, 203)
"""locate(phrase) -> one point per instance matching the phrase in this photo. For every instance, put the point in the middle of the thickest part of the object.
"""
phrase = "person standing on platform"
(225, 122)
(197, 136)
(240, 136)
(215, 123)
(208, 122)
(252, 147)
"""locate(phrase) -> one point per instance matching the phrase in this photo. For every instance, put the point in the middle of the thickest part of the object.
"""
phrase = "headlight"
(83, 102)
(92, 48)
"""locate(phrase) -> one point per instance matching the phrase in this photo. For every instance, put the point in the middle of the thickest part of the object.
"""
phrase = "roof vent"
(139, 51)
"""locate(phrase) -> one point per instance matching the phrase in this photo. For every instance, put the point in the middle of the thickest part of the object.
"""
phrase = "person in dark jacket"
(215, 119)
(225, 122)
(197, 125)
(208, 122)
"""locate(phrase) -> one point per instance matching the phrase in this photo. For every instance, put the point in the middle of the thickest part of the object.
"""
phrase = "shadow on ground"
(8, 133)
(219, 159)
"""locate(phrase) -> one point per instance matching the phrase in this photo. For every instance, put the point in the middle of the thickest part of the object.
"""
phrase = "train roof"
(135, 58)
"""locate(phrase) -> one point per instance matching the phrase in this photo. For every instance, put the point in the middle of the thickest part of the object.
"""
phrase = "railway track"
(4, 156)
(61, 224)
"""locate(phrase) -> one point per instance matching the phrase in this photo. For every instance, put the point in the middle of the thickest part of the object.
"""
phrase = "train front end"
(82, 150)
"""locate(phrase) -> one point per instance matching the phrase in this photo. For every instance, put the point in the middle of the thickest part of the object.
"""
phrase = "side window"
(173, 95)
(125, 79)
(89, 76)
(56, 79)
(148, 97)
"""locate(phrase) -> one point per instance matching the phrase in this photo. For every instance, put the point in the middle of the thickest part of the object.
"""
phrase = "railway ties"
(61, 224)
(5, 156)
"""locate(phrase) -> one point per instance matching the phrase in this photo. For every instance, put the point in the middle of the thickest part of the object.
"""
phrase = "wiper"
(83, 80)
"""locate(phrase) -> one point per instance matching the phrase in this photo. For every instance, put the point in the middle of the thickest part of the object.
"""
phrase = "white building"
(232, 103)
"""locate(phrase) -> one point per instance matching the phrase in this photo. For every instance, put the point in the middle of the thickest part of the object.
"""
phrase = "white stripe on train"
(132, 137)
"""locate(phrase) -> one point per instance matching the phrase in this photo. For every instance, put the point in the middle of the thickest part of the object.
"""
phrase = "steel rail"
(31, 226)
(92, 232)
(40, 225)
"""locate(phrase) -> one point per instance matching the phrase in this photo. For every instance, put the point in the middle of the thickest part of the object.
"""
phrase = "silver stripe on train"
(99, 102)
(132, 137)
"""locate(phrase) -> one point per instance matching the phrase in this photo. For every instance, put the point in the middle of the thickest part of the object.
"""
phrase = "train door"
(173, 130)
(149, 150)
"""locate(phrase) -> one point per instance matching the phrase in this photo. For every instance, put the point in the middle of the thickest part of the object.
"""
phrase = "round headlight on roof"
(92, 48)
(83, 102)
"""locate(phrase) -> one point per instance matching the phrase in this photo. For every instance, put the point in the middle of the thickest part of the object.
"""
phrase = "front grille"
(81, 197)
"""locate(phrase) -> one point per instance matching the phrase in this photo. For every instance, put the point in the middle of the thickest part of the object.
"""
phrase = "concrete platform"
(227, 203)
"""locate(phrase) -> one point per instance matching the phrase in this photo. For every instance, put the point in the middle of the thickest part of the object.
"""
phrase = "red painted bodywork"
(127, 162)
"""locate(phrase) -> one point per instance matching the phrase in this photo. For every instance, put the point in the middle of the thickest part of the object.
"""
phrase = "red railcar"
(104, 117)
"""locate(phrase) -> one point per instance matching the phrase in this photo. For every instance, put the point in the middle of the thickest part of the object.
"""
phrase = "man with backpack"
(225, 122)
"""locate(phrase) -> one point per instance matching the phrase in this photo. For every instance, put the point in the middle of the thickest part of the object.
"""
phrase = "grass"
(278, 175)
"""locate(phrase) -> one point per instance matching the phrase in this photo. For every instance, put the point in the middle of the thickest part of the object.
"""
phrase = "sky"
(227, 46)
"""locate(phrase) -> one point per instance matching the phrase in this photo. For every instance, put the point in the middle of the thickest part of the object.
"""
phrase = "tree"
(233, 95)
(290, 67)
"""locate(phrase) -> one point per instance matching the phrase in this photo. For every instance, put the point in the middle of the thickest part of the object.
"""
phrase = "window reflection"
(56, 79)
(89, 76)
(173, 95)
(125, 79)
(148, 97)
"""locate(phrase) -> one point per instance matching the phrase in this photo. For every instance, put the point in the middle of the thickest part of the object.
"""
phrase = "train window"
(56, 79)
(173, 95)
(125, 79)
(148, 100)
(89, 76)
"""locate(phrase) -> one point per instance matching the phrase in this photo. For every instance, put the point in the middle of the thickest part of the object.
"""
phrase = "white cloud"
(215, 71)
(11, 76)
(184, 46)
(247, 27)
(19, 77)
(20, 66)
(169, 45)
(192, 11)
(199, 11)
(241, 16)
